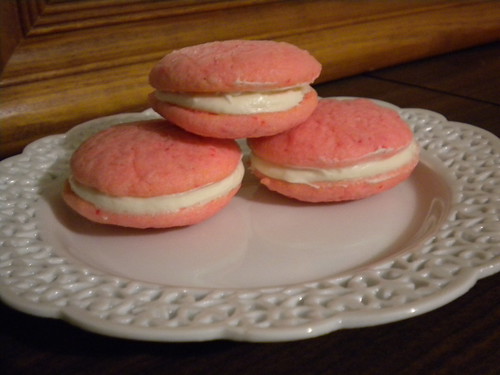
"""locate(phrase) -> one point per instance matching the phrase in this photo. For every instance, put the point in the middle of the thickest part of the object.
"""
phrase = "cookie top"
(234, 65)
(338, 133)
(152, 158)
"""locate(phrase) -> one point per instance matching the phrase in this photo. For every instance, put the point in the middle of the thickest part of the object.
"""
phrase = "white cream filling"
(241, 103)
(161, 204)
(311, 175)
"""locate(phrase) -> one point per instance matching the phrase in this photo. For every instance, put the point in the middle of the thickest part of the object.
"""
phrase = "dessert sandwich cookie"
(152, 174)
(235, 88)
(346, 150)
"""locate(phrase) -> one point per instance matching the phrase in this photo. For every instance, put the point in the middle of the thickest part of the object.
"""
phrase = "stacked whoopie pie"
(185, 168)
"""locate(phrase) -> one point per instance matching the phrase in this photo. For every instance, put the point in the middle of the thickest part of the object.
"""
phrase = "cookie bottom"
(187, 216)
(236, 126)
(339, 191)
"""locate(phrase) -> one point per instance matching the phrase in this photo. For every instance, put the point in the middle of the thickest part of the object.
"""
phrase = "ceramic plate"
(265, 268)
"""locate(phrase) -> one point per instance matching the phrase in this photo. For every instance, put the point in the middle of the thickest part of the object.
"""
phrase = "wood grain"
(11, 32)
(457, 80)
(80, 60)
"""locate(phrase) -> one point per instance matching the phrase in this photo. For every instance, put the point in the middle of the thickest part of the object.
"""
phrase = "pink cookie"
(346, 150)
(152, 174)
(235, 88)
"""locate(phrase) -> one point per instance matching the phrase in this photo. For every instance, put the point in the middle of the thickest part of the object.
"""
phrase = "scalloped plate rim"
(349, 319)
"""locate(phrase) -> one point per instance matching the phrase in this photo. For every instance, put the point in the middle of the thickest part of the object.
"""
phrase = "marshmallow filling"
(309, 176)
(239, 103)
(161, 204)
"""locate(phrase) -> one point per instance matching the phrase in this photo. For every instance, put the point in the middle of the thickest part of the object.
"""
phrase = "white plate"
(265, 268)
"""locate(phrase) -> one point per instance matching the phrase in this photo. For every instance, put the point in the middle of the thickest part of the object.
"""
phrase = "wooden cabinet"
(64, 62)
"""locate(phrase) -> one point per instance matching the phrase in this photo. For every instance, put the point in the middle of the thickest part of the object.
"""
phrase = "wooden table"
(462, 337)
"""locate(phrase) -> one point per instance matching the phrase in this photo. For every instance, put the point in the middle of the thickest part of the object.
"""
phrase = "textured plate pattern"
(445, 265)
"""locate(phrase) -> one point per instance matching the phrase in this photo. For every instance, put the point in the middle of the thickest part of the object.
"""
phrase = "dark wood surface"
(462, 337)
